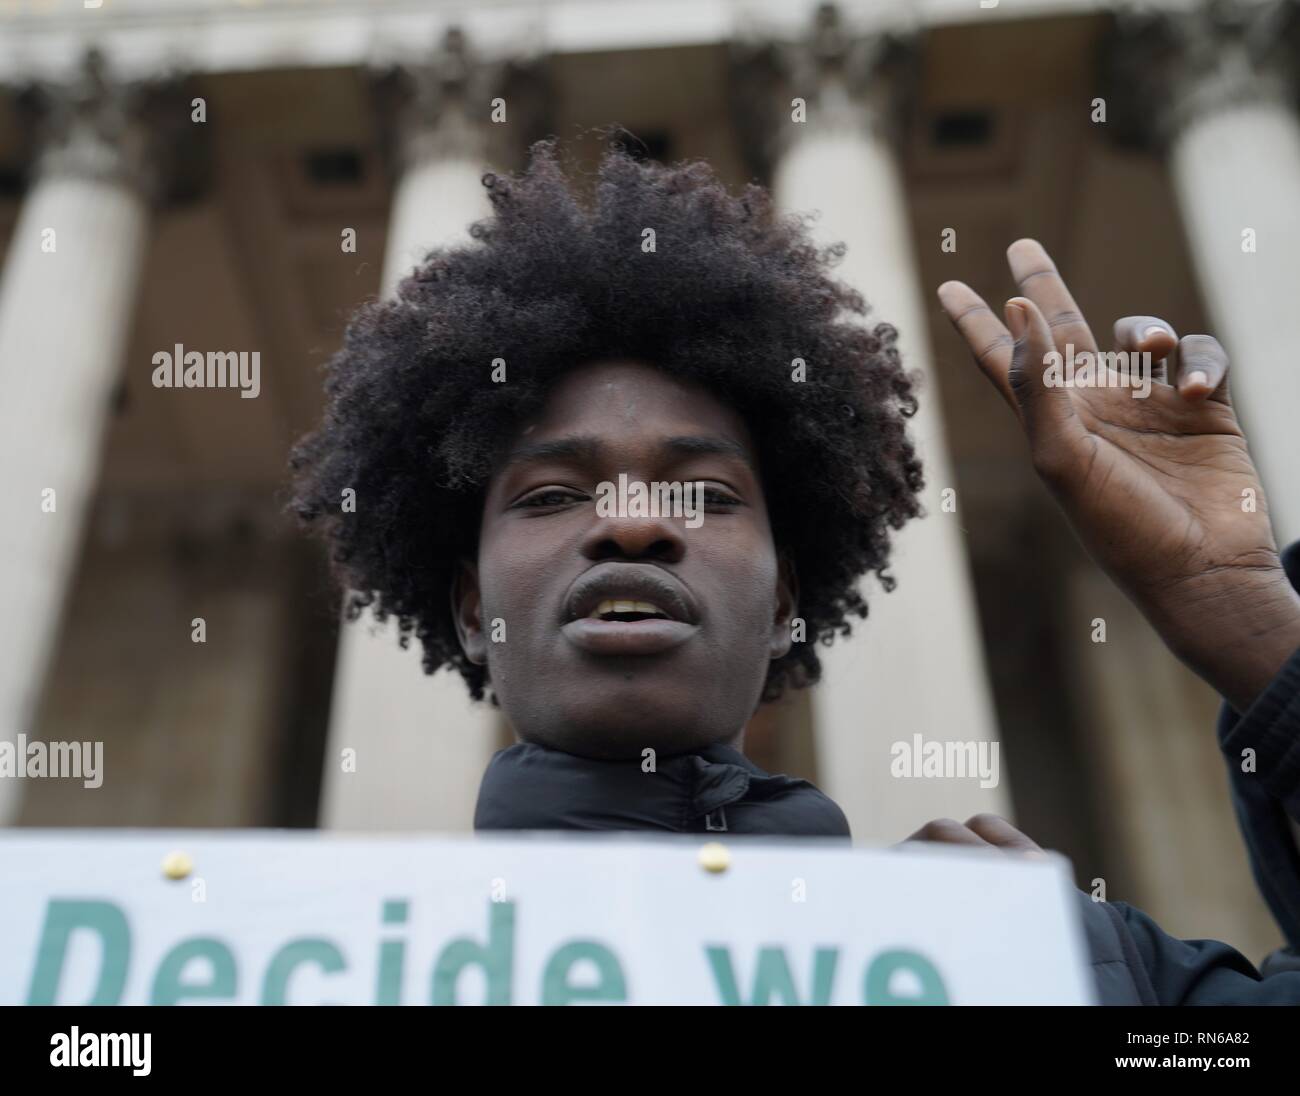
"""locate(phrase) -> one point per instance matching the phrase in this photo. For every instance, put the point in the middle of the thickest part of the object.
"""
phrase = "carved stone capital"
(1161, 70)
(848, 80)
(138, 133)
(442, 107)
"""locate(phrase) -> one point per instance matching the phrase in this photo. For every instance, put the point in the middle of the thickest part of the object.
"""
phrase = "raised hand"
(1150, 465)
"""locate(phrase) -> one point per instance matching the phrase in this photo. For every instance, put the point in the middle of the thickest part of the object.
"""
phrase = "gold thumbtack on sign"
(714, 857)
(177, 865)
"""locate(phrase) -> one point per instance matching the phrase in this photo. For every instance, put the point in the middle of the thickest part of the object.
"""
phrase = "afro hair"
(732, 294)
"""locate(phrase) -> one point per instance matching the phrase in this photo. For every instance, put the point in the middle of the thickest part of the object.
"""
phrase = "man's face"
(625, 632)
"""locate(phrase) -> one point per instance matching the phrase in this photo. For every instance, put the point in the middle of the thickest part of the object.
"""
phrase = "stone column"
(420, 744)
(1208, 88)
(1171, 841)
(439, 137)
(1213, 89)
(67, 299)
(916, 665)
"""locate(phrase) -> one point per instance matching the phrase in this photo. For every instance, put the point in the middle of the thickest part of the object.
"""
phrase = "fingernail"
(1154, 329)
(1015, 319)
(1193, 379)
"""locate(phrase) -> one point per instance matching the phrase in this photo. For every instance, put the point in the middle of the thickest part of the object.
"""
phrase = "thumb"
(1037, 381)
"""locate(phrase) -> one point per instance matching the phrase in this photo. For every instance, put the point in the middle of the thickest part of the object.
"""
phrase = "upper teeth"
(608, 606)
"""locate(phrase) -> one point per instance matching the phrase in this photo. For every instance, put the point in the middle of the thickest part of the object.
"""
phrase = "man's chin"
(627, 737)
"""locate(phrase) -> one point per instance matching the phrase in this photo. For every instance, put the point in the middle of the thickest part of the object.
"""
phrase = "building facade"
(238, 177)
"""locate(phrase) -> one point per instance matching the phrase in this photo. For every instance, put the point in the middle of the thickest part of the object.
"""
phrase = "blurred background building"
(204, 166)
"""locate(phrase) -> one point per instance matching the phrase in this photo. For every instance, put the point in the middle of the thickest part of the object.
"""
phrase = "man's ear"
(787, 607)
(467, 612)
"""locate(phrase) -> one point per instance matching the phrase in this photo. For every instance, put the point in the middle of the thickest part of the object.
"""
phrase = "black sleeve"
(1265, 782)
(1203, 972)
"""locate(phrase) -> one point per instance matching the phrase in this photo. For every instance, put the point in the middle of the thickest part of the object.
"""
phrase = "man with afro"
(483, 412)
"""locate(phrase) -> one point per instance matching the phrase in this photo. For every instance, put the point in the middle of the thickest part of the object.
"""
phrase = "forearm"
(1235, 631)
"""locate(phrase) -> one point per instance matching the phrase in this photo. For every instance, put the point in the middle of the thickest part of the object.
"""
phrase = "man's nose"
(658, 538)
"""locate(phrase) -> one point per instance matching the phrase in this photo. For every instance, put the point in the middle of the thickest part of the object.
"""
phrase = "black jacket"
(529, 787)
(1267, 799)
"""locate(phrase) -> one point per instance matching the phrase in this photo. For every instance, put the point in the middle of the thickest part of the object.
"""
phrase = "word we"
(217, 369)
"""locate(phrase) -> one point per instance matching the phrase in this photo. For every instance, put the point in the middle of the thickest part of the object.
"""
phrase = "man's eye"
(549, 496)
(714, 497)
(709, 496)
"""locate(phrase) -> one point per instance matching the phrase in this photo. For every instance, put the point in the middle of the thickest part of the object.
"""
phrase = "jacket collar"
(531, 787)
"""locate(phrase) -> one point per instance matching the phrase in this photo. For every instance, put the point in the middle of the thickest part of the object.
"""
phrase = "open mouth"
(628, 611)
(629, 593)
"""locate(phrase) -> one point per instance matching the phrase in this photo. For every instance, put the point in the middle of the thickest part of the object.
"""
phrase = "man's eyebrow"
(571, 448)
(588, 449)
(691, 444)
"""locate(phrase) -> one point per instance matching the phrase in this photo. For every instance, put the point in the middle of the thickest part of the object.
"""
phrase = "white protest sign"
(270, 917)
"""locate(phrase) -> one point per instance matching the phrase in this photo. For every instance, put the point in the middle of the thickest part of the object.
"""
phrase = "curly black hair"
(732, 293)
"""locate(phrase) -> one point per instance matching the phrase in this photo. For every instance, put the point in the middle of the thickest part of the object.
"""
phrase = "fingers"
(987, 337)
(1202, 369)
(987, 831)
(1053, 428)
(947, 831)
(1147, 335)
(1046, 319)
(1200, 364)
(1037, 278)
(998, 831)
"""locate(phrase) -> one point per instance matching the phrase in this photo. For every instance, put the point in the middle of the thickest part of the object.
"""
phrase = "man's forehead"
(593, 449)
(619, 383)
(621, 402)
